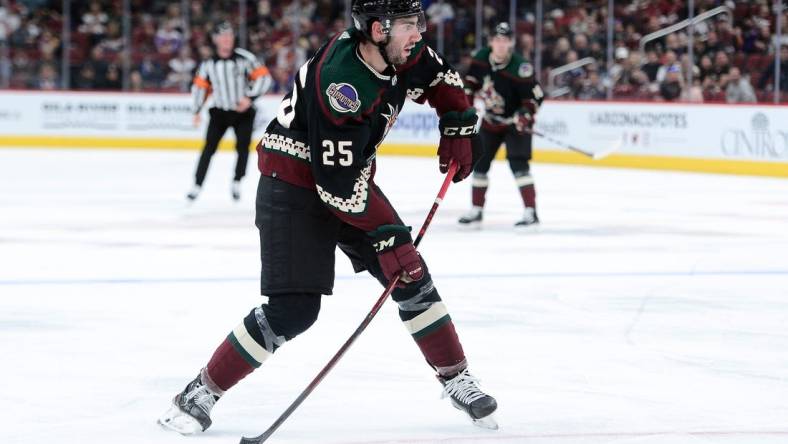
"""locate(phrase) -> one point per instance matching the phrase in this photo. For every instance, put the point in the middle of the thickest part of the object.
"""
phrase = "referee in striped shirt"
(234, 78)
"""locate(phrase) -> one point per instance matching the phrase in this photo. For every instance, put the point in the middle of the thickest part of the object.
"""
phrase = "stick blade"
(256, 440)
(606, 152)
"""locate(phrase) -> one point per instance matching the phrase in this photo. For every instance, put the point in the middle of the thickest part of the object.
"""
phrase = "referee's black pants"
(220, 120)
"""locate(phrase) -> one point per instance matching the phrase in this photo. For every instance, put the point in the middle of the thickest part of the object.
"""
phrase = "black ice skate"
(465, 395)
(191, 409)
(472, 218)
(529, 221)
(194, 192)
(235, 190)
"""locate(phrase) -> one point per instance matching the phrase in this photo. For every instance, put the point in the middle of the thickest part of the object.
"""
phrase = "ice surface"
(651, 308)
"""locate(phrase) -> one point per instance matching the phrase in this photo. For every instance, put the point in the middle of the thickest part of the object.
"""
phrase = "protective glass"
(406, 25)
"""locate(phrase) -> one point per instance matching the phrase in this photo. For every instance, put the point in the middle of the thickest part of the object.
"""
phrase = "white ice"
(651, 308)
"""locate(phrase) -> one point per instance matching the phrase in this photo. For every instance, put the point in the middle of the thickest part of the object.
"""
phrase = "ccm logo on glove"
(397, 255)
(382, 245)
(462, 131)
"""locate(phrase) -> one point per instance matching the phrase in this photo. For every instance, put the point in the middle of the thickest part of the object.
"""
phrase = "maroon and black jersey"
(328, 129)
(504, 88)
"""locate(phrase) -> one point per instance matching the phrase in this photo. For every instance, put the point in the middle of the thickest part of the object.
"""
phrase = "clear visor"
(408, 24)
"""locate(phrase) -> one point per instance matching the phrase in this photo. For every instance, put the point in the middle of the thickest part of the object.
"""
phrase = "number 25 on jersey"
(343, 154)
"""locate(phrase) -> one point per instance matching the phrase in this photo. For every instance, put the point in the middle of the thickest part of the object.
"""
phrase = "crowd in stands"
(733, 53)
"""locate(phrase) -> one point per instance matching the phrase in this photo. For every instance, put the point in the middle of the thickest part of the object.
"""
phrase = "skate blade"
(176, 420)
(471, 226)
(488, 422)
(532, 228)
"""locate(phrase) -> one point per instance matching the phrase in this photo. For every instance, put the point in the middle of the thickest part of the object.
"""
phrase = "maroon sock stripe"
(478, 196)
(227, 366)
(431, 328)
(441, 347)
(528, 193)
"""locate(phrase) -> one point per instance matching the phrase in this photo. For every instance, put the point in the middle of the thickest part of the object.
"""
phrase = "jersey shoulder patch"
(520, 67)
(345, 86)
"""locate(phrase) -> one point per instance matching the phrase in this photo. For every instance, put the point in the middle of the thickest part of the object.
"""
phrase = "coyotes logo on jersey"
(493, 102)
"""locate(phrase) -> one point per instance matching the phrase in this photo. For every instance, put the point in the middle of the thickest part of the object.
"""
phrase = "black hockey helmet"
(365, 12)
(503, 29)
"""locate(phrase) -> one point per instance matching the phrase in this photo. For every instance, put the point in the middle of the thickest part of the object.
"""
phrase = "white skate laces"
(203, 397)
(463, 387)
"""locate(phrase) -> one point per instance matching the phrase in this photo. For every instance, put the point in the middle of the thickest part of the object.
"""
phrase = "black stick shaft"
(375, 308)
(560, 143)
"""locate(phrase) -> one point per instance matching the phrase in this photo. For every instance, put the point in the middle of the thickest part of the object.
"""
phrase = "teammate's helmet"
(365, 12)
(503, 29)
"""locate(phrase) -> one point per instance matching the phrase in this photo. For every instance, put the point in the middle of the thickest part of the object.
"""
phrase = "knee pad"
(422, 312)
(282, 319)
(414, 300)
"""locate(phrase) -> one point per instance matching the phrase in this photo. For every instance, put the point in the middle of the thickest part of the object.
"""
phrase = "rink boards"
(736, 139)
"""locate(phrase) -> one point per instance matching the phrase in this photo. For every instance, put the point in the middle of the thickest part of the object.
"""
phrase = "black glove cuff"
(388, 237)
(455, 125)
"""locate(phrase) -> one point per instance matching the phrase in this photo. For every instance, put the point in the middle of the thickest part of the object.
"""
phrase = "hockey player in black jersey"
(317, 192)
(505, 82)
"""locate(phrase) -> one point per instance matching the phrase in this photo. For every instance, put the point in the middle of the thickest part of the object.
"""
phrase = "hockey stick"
(594, 155)
(375, 308)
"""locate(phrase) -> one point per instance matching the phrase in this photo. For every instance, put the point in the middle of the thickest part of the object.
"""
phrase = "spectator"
(136, 83)
(768, 74)
(706, 71)
(48, 44)
(591, 87)
(168, 40)
(673, 44)
(181, 69)
(94, 22)
(144, 33)
(621, 55)
(557, 56)
(757, 40)
(670, 88)
(581, 46)
(32, 29)
(669, 60)
(630, 80)
(282, 80)
(111, 80)
(651, 66)
(712, 45)
(527, 46)
(10, 21)
(739, 88)
(112, 44)
(205, 52)
(47, 78)
(86, 79)
(151, 71)
(440, 12)
(694, 93)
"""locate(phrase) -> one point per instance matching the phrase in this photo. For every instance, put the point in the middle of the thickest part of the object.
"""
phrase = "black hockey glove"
(396, 253)
(457, 129)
